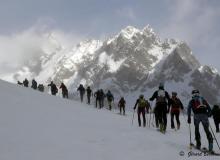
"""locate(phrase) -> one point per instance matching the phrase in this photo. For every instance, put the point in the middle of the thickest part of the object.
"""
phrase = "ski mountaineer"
(81, 90)
(41, 87)
(102, 95)
(64, 90)
(162, 100)
(53, 88)
(142, 106)
(110, 98)
(176, 105)
(202, 111)
(89, 94)
(98, 98)
(25, 82)
(121, 105)
(216, 117)
(34, 84)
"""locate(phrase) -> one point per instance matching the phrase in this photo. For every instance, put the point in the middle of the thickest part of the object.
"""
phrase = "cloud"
(126, 12)
(197, 23)
(25, 47)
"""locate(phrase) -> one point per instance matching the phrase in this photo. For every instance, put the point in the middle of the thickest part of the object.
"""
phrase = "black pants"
(122, 108)
(156, 117)
(217, 122)
(98, 101)
(110, 104)
(162, 115)
(88, 97)
(65, 94)
(81, 97)
(203, 118)
(141, 111)
(176, 115)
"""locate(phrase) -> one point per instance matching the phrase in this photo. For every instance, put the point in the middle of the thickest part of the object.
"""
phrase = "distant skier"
(98, 98)
(89, 94)
(216, 116)
(81, 90)
(25, 82)
(19, 83)
(202, 111)
(64, 90)
(121, 105)
(141, 104)
(110, 98)
(162, 100)
(41, 87)
(102, 95)
(176, 106)
(34, 84)
(53, 88)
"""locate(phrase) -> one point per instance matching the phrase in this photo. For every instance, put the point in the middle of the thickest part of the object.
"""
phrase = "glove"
(189, 120)
(209, 114)
(134, 108)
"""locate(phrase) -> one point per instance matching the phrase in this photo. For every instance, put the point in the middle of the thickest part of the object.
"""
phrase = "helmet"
(195, 92)
(141, 96)
(174, 93)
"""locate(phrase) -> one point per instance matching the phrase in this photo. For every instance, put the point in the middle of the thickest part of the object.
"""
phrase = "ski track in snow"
(37, 126)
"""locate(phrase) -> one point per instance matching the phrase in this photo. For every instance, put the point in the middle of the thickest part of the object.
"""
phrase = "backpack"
(142, 103)
(161, 98)
(176, 103)
(198, 103)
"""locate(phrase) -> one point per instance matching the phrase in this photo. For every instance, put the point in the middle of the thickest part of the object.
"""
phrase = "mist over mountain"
(131, 63)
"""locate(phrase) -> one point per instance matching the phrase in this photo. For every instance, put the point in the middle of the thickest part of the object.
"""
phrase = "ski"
(205, 150)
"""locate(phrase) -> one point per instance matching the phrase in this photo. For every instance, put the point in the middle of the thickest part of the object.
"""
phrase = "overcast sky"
(195, 21)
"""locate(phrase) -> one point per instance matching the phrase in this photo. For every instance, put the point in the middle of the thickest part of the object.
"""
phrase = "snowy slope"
(37, 126)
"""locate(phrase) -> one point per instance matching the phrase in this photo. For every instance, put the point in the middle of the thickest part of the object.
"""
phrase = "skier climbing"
(176, 106)
(110, 98)
(216, 117)
(202, 111)
(25, 82)
(64, 90)
(142, 105)
(98, 97)
(162, 100)
(89, 94)
(41, 87)
(121, 105)
(81, 90)
(34, 84)
(53, 88)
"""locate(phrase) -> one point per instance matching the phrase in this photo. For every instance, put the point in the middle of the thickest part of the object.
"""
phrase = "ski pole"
(190, 134)
(146, 118)
(190, 137)
(132, 118)
(214, 136)
(150, 117)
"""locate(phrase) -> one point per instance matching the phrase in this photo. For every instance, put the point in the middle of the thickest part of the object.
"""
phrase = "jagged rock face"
(132, 62)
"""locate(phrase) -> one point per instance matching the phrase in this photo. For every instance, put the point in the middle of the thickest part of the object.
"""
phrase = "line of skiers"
(40, 87)
(164, 105)
(99, 96)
